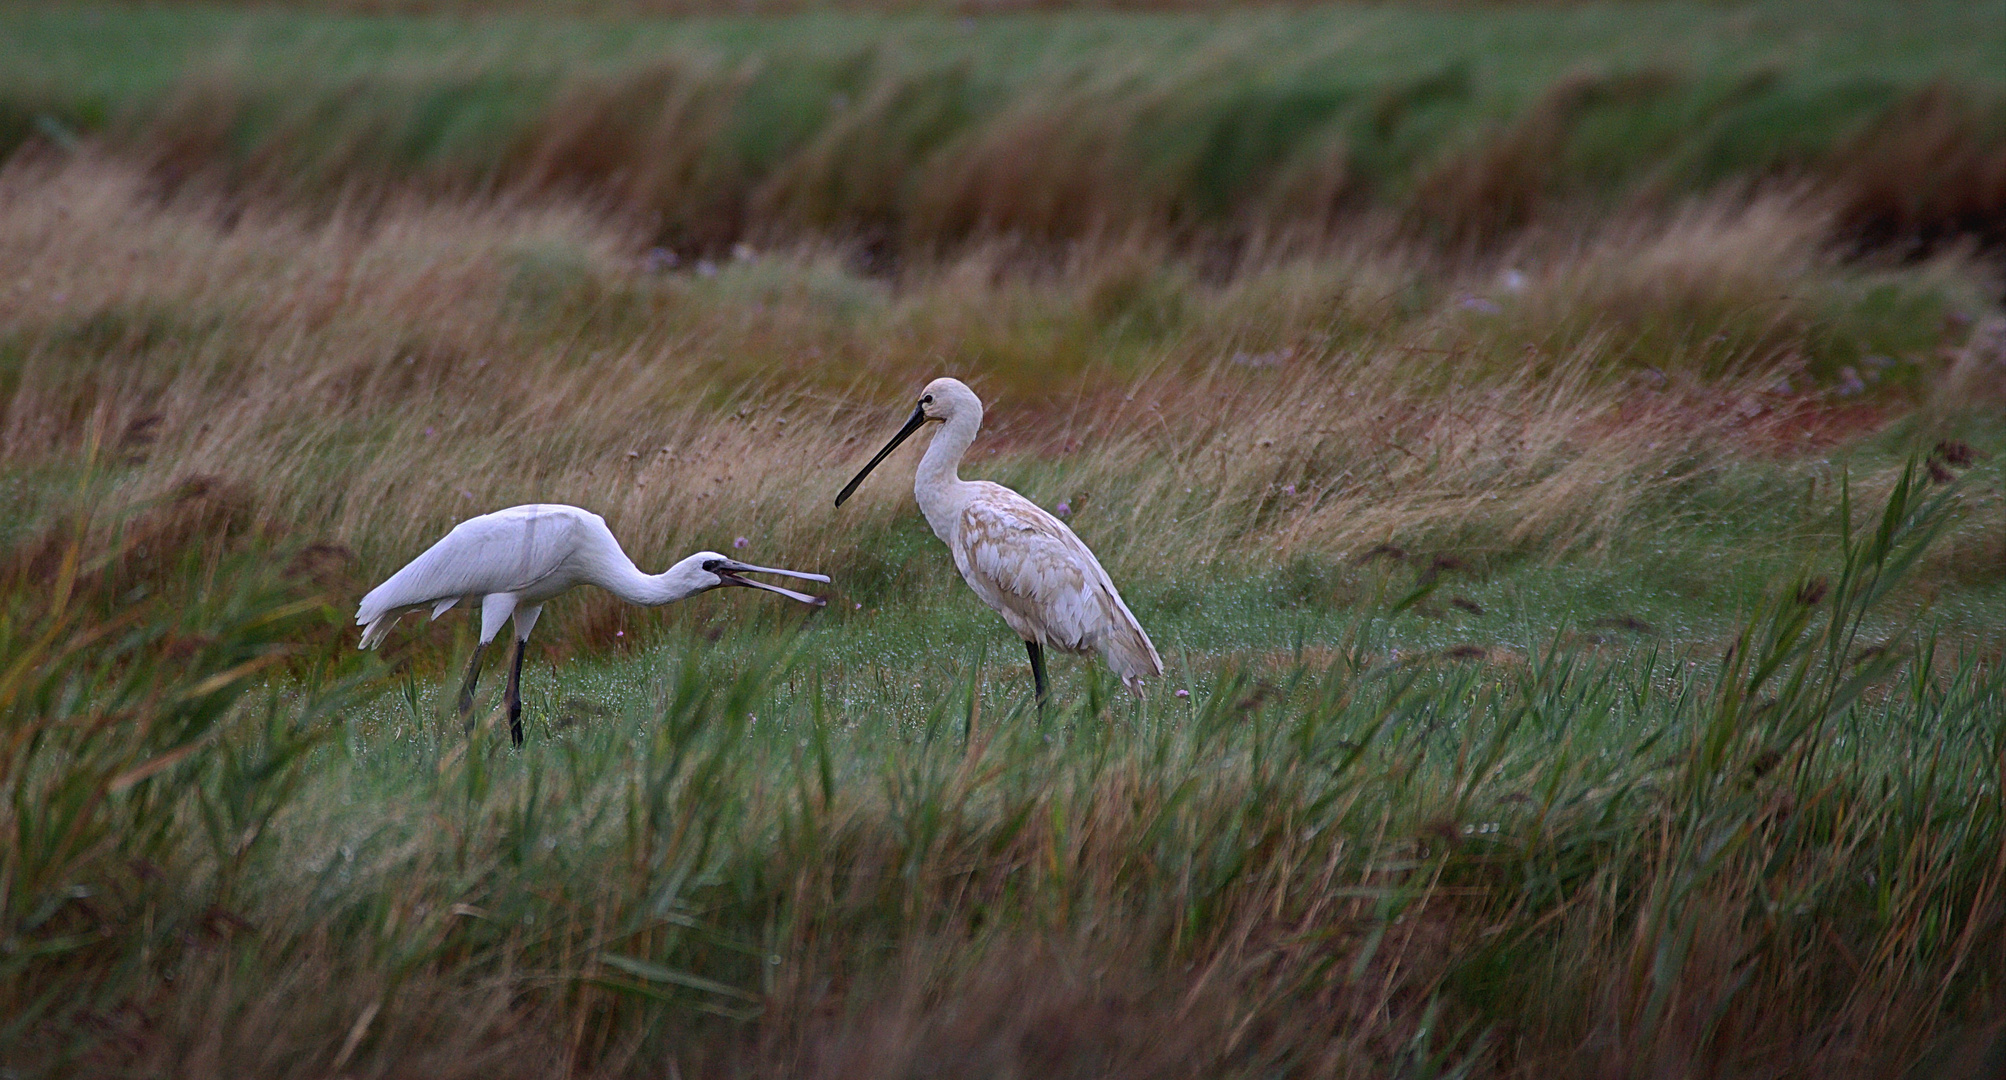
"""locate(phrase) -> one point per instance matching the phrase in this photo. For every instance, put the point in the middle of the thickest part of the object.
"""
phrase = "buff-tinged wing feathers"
(1046, 583)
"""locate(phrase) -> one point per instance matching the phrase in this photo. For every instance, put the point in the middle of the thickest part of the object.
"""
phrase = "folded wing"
(505, 551)
(1046, 583)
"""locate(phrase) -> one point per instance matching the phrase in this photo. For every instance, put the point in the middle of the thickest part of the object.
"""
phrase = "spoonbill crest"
(1020, 560)
(510, 562)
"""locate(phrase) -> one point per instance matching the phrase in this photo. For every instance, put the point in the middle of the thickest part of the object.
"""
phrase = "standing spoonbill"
(1020, 560)
(511, 561)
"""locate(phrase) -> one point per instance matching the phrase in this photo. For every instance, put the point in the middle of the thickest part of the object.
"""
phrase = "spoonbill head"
(943, 400)
(708, 570)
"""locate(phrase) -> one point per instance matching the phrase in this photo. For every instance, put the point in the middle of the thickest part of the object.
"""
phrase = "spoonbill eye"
(712, 564)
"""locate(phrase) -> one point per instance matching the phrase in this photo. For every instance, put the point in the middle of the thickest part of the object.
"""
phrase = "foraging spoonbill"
(1020, 560)
(510, 562)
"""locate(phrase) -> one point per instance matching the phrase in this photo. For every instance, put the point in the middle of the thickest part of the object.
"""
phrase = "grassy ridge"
(908, 133)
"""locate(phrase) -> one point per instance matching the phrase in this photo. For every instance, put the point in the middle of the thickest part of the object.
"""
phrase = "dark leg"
(515, 694)
(467, 687)
(1038, 672)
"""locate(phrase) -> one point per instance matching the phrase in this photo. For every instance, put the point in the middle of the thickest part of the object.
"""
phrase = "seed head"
(1813, 591)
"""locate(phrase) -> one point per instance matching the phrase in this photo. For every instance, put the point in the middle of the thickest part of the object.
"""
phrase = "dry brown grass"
(1493, 189)
(364, 380)
(1931, 172)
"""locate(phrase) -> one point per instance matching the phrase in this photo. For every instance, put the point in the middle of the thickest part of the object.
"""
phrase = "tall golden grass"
(364, 380)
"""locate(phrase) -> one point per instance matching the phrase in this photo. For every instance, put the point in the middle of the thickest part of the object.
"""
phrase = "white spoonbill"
(1022, 561)
(511, 561)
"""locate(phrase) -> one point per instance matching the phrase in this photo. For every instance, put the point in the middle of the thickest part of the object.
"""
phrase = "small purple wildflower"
(740, 542)
(1288, 489)
(1184, 693)
(619, 633)
(1064, 508)
(429, 432)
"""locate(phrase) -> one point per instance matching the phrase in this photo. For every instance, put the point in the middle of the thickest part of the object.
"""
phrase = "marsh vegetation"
(1569, 513)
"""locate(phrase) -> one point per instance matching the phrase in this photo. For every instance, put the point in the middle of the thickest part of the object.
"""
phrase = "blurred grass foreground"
(1557, 449)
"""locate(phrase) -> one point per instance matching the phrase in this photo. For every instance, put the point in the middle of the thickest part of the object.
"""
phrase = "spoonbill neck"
(938, 486)
(619, 576)
(940, 468)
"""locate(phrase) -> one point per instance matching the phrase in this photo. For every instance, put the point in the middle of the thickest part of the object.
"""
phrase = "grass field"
(1571, 519)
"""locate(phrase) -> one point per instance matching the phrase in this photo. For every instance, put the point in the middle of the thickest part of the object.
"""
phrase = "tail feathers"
(374, 630)
(376, 622)
(1127, 651)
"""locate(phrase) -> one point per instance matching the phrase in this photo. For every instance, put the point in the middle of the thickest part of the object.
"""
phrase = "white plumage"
(510, 562)
(1020, 560)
